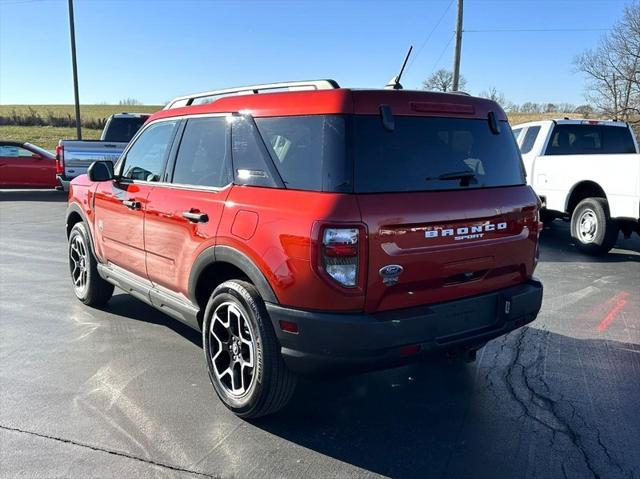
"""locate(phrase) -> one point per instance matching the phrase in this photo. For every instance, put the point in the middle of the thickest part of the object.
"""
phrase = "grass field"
(48, 136)
(86, 111)
(44, 136)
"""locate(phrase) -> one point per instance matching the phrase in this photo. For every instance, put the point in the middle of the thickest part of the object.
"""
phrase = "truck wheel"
(88, 286)
(242, 352)
(591, 227)
(546, 217)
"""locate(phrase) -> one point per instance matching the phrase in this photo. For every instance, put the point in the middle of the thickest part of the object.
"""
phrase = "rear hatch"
(446, 207)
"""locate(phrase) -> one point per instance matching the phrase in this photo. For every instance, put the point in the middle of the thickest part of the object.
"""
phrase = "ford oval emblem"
(390, 273)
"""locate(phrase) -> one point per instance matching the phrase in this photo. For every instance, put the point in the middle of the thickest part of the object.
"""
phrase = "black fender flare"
(227, 254)
(75, 208)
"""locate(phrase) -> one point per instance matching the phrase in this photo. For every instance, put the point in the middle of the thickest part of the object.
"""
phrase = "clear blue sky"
(155, 50)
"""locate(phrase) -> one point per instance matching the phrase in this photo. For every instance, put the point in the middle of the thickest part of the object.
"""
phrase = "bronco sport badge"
(465, 232)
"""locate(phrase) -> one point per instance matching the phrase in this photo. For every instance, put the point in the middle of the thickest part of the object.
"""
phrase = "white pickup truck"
(587, 171)
(73, 157)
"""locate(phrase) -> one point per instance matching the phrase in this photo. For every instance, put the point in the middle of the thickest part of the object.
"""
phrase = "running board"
(146, 292)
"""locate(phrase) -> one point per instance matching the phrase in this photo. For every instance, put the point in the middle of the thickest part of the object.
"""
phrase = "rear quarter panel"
(282, 244)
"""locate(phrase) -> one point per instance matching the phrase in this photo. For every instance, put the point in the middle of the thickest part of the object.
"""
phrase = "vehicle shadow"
(127, 306)
(444, 418)
(557, 245)
(34, 195)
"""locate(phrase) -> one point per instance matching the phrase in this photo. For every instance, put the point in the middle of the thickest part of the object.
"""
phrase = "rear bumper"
(360, 341)
(63, 183)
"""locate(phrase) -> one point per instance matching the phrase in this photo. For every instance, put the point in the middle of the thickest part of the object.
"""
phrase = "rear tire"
(88, 286)
(592, 228)
(242, 352)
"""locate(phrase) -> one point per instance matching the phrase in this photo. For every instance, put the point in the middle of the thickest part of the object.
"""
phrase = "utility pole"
(75, 70)
(456, 54)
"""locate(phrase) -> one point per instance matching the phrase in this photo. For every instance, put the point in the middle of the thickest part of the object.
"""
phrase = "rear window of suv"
(425, 154)
(356, 153)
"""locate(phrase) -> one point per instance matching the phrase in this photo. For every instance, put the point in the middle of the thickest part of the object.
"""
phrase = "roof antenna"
(394, 83)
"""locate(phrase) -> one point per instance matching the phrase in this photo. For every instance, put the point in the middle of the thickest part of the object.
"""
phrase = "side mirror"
(100, 171)
(36, 156)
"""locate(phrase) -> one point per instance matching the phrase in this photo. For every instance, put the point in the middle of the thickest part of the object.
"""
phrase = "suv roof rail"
(252, 89)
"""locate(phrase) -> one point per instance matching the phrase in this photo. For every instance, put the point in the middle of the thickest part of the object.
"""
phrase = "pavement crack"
(107, 451)
(541, 398)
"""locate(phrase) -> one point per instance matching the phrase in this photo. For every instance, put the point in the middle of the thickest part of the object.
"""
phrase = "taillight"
(59, 160)
(341, 255)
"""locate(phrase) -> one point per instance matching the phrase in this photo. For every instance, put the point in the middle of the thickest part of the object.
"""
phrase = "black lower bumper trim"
(358, 341)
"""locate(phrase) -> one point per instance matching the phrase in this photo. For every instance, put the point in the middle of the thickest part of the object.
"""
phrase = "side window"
(309, 151)
(251, 161)
(516, 134)
(145, 159)
(15, 152)
(203, 157)
(529, 139)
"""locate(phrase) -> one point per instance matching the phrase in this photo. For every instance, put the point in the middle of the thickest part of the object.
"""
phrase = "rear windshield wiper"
(454, 175)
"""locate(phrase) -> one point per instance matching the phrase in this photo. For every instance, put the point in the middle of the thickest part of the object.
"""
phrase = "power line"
(442, 53)
(496, 30)
(430, 34)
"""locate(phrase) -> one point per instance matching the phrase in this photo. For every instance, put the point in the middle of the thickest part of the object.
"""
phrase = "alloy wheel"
(79, 263)
(231, 347)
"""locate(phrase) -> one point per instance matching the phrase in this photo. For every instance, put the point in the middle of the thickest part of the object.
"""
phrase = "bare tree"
(493, 94)
(584, 110)
(613, 68)
(442, 80)
(129, 101)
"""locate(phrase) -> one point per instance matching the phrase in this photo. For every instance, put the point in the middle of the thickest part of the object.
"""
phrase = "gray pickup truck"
(73, 157)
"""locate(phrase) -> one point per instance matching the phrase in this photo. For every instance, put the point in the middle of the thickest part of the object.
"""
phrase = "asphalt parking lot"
(124, 392)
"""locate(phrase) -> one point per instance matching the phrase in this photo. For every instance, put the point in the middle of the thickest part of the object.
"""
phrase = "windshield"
(41, 151)
(424, 154)
(122, 129)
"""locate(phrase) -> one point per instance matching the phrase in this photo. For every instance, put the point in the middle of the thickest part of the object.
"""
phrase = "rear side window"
(529, 139)
(122, 129)
(425, 154)
(203, 157)
(145, 159)
(590, 140)
(252, 165)
(309, 152)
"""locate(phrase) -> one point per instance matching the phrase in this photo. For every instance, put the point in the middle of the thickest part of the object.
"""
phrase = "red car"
(319, 229)
(23, 165)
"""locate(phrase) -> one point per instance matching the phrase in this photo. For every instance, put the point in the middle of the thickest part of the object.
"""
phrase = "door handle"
(195, 216)
(132, 205)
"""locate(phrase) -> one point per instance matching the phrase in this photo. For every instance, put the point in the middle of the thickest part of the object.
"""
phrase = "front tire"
(592, 228)
(88, 286)
(242, 352)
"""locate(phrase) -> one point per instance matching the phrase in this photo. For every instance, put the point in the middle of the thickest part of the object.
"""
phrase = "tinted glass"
(424, 154)
(309, 151)
(203, 154)
(590, 140)
(516, 133)
(529, 139)
(122, 129)
(146, 156)
(251, 162)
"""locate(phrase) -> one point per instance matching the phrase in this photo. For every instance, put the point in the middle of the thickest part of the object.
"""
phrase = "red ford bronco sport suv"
(307, 228)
